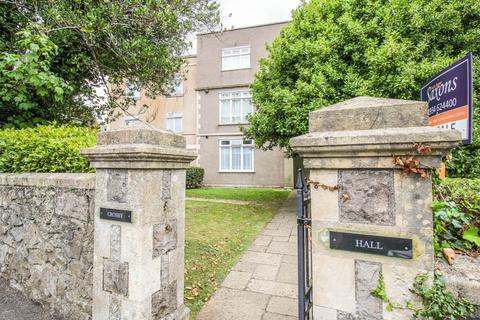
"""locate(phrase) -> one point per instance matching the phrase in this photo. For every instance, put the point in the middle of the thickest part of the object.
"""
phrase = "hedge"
(195, 177)
(465, 162)
(47, 148)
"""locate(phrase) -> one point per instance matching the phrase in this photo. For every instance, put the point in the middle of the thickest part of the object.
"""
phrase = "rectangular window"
(132, 121)
(132, 90)
(174, 121)
(236, 155)
(178, 86)
(236, 58)
(235, 106)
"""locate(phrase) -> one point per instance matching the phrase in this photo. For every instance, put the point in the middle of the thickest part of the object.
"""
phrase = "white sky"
(242, 13)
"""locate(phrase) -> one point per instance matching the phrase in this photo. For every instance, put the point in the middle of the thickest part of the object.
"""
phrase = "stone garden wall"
(46, 239)
(463, 279)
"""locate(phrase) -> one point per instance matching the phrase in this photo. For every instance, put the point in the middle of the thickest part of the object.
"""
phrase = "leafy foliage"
(195, 177)
(334, 50)
(439, 303)
(26, 76)
(450, 227)
(465, 162)
(381, 293)
(45, 149)
(464, 192)
(55, 54)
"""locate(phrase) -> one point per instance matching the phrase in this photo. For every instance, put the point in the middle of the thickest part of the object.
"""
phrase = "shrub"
(334, 50)
(45, 149)
(195, 177)
(464, 192)
(457, 215)
(465, 162)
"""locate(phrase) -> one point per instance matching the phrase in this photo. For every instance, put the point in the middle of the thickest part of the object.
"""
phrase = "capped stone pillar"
(138, 267)
(377, 219)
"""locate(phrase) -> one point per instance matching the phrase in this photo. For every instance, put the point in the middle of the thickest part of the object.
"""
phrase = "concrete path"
(14, 306)
(263, 284)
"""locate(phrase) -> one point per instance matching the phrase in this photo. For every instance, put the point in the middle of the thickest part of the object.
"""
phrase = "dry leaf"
(345, 197)
(423, 148)
(449, 255)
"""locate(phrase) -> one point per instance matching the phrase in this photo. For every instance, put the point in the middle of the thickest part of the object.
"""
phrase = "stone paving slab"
(263, 284)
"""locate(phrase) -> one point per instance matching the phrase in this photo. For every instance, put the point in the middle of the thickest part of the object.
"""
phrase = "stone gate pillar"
(376, 220)
(139, 224)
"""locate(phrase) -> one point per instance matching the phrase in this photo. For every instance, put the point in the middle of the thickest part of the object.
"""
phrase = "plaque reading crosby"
(116, 214)
(385, 246)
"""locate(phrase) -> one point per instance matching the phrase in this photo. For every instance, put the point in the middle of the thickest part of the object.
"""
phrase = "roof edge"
(241, 28)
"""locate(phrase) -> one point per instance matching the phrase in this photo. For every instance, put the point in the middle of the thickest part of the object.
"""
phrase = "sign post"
(449, 97)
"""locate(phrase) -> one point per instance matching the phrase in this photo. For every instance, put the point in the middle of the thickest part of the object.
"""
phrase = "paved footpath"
(263, 284)
(14, 306)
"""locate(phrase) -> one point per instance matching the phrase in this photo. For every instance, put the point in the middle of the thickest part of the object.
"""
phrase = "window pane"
(245, 61)
(225, 111)
(178, 125)
(236, 110)
(247, 108)
(236, 158)
(224, 158)
(247, 158)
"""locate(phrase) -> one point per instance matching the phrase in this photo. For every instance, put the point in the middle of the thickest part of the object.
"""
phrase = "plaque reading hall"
(385, 246)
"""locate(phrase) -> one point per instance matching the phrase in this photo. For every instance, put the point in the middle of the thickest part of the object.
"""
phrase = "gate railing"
(304, 236)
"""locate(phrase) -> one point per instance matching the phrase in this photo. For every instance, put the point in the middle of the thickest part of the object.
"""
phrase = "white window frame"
(174, 116)
(220, 146)
(245, 94)
(133, 119)
(230, 52)
(133, 90)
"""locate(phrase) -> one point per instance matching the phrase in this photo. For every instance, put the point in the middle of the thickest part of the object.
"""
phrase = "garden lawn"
(266, 196)
(217, 234)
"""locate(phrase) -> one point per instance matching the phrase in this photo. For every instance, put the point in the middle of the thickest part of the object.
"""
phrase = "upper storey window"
(132, 90)
(236, 58)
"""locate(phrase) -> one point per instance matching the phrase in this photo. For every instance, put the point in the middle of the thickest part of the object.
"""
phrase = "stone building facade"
(210, 106)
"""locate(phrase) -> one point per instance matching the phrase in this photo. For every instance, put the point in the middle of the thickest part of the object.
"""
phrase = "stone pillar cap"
(398, 141)
(365, 113)
(368, 132)
(139, 148)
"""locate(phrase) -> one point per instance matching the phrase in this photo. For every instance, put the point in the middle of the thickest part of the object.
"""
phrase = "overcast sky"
(242, 13)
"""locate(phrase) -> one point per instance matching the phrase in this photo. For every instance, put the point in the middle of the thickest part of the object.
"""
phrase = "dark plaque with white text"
(116, 214)
(384, 246)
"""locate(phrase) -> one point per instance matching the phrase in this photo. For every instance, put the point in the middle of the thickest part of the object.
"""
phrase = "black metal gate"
(304, 237)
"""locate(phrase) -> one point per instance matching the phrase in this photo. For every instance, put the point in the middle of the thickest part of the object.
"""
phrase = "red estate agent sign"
(449, 96)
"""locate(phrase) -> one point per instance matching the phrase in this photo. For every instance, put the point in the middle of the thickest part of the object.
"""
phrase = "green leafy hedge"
(195, 177)
(47, 148)
(457, 215)
(465, 162)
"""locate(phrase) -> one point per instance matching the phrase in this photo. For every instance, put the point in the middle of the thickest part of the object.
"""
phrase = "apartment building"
(212, 104)
(176, 112)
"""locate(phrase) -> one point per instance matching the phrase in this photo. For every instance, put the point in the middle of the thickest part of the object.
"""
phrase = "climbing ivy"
(438, 302)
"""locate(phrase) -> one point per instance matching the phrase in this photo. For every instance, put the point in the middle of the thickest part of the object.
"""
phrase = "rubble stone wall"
(46, 239)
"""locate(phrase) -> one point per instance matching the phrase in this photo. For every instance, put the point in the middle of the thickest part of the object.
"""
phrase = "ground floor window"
(236, 155)
(132, 121)
(174, 121)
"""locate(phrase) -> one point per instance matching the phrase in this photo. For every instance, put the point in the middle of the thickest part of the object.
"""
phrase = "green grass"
(216, 236)
(263, 195)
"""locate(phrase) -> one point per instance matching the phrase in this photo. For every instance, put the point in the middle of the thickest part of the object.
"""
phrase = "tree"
(334, 50)
(54, 54)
